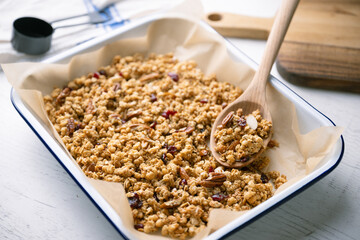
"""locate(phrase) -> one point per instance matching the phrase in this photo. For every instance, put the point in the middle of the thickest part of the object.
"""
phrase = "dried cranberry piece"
(163, 158)
(135, 201)
(153, 124)
(171, 149)
(138, 226)
(243, 159)
(171, 112)
(211, 169)
(242, 122)
(153, 97)
(96, 75)
(121, 74)
(219, 197)
(264, 178)
(204, 100)
(168, 113)
(183, 182)
(103, 72)
(174, 76)
(165, 115)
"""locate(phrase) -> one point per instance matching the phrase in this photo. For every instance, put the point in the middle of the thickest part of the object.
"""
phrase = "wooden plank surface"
(322, 47)
(320, 66)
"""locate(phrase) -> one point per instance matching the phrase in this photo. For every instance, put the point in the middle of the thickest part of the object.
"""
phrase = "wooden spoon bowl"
(248, 105)
(254, 97)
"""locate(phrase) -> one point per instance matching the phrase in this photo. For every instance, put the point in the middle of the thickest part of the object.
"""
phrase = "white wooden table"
(38, 199)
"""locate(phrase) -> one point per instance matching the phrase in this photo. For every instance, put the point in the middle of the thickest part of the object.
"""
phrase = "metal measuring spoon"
(33, 35)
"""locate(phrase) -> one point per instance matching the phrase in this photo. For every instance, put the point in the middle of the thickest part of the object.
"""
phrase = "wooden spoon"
(254, 96)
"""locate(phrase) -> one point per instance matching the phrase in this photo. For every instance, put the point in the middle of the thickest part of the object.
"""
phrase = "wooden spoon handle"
(235, 25)
(276, 37)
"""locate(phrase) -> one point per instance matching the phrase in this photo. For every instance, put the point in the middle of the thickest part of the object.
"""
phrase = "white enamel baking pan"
(309, 119)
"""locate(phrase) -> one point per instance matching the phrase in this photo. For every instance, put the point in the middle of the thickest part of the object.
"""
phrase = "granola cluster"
(146, 123)
(239, 137)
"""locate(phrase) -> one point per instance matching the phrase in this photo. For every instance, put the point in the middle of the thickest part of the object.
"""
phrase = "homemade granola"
(145, 123)
(239, 137)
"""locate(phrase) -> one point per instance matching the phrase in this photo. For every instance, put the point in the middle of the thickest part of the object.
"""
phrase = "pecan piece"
(216, 176)
(183, 174)
(115, 115)
(187, 130)
(90, 107)
(64, 93)
(132, 114)
(233, 144)
(149, 77)
(71, 126)
(203, 153)
(210, 184)
(214, 180)
(171, 204)
(228, 118)
(74, 125)
(140, 125)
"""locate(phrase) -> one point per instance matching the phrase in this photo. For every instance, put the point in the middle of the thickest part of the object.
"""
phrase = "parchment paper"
(297, 156)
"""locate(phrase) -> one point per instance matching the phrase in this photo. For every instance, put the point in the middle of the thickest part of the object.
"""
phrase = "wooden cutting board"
(321, 48)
